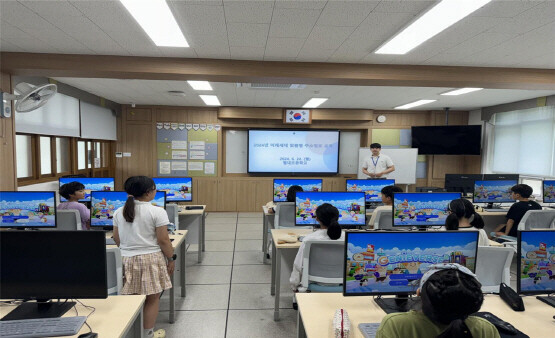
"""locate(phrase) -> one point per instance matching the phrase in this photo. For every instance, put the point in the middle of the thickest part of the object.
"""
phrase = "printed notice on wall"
(179, 155)
(209, 168)
(179, 165)
(179, 144)
(196, 145)
(165, 168)
(197, 155)
(195, 166)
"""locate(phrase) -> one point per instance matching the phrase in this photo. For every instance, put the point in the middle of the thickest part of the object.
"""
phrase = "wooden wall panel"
(264, 192)
(246, 195)
(138, 114)
(8, 170)
(227, 193)
(206, 192)
(171, 115)
(139, 142)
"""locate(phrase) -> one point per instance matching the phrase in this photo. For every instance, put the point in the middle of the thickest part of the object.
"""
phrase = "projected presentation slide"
(372, 188)
(178, 189)
(549, 191)
(25, 209)
(349, 204)
(91, 184)
(293, 151)
(423, 209)
(537, 262)
(281, 186)
(394, 262)
(493, 191)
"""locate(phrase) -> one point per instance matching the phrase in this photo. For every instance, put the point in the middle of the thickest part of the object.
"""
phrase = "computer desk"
(276, 260)
(189, 216)
(316, 311)
(178, 244)
(115, 316)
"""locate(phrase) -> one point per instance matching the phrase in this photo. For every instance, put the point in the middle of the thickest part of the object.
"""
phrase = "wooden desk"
(196, 213)
(115, 316)
(267, 222)
(276, 260)
(494, 243)
(316, 310)
(179, 247)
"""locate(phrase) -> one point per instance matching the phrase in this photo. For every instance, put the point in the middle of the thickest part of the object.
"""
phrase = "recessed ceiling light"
(157, 20)
(415, 104)
(200, 85)
(314, 102)
(210, 100)
(461, 91)
(438, 18)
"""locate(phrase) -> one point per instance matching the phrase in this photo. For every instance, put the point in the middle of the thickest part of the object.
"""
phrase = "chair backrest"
(537, 219)
(493, 266)
(323, 262)
(383, 220)
(114, 267)
(285, 215)
(68, 219)
(173, 214)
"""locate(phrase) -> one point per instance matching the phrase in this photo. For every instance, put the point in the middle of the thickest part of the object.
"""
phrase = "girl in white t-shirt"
(140, 231)
(463, 216)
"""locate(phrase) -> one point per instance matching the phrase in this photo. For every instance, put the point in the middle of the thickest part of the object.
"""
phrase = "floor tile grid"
(231, 275)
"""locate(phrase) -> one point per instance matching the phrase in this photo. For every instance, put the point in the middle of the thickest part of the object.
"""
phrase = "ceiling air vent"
(271, 85)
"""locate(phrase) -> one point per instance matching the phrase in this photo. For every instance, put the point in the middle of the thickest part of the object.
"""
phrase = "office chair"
(173, 214)
(493, 265)
(114, 266)
(323, 262)
(537, 219)
(383, 220)
(69, 219)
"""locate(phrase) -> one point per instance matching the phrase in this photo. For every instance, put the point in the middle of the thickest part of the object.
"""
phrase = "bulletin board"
(187, 149)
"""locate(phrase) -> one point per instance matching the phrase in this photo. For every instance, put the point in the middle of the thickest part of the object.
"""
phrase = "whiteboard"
(404, 160)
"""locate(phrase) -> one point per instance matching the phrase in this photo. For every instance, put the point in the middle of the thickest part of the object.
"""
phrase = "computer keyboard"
(369, 330)
(42, 327)
(110, 241)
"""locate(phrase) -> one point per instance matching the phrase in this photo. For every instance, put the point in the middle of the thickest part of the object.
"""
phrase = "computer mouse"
(88, 335)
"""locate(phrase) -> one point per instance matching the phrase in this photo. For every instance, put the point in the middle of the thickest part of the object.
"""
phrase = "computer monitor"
(44, 265)
(548, 191)
(27, 209)
(352, 211)
(392, 263)
(536, 264)
(463, 183)
(422, 209)
(281, 185)
(178, 189)
(105, 203)
(371, 188)
(91, 184)
(496, 191)
(501, 177)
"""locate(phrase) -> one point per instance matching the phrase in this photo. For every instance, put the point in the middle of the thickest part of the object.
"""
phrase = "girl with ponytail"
(327, 216)
(463, 216)
(450, 294)
(141, 233)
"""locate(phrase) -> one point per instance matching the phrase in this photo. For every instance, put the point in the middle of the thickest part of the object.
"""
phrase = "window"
(63, 154)
(81, 155)
(24, 156)
(524, 142)
(45, 155)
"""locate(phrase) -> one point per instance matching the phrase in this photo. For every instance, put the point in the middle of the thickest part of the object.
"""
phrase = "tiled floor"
(228, 294)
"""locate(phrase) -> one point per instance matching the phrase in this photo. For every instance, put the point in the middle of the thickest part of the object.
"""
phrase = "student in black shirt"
(521, 193)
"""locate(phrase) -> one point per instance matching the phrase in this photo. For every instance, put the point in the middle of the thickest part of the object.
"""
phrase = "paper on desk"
(165, 168)
(209, 168)
(196, 165)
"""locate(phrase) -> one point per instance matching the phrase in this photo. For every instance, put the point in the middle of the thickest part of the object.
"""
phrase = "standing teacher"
(377, 166)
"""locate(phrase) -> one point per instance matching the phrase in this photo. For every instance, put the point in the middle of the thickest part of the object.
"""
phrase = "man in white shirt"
(377, 166)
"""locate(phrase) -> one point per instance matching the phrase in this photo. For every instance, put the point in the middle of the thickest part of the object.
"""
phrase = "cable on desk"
(87, 307)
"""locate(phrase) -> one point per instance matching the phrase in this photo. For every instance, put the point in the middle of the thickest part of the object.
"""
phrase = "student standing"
(377, 165)
(520, 193)
(387, 199)
(463, 216)
(73, 192)
(140, 231)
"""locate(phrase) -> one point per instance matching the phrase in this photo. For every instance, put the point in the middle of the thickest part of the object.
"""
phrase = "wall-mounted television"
(293, 151)
(447, 140)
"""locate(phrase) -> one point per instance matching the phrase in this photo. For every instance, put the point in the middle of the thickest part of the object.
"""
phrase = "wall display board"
(186, 149)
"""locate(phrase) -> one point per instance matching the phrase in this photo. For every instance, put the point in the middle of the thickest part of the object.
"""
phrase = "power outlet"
(5, 107)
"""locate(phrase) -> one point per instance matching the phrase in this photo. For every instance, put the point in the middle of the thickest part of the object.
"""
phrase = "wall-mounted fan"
(29, 97)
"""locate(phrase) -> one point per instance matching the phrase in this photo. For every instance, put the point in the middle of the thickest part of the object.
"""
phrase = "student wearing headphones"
(463, 216)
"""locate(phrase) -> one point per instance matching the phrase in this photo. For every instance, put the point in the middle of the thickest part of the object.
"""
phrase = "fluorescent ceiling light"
(415, 104)
(438, 18)
(200, 85)
(210, 100)
(461, 91)
(157, 20)
(314, 102)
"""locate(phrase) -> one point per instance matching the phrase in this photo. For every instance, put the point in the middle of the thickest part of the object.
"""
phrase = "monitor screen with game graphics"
(422, 208)
(91, 184)
(281, 186)
(351, 207)
(536, 263)
(392, 263)
(27, 209)
(549, 191)
(105, 203)
(178, 189)
(494, 191)
(371, 188)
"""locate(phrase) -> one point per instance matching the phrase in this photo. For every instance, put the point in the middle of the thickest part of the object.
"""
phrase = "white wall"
(46, 186)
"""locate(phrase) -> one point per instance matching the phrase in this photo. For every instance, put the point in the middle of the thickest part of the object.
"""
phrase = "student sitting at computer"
(73, 192)
(387, 199)
(327, 216)
(521, 193)
(449, 293)
(140, 231)
(463, 216)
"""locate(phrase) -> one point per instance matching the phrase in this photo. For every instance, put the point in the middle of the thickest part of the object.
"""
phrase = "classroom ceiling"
(155, 92)
(501, 34)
